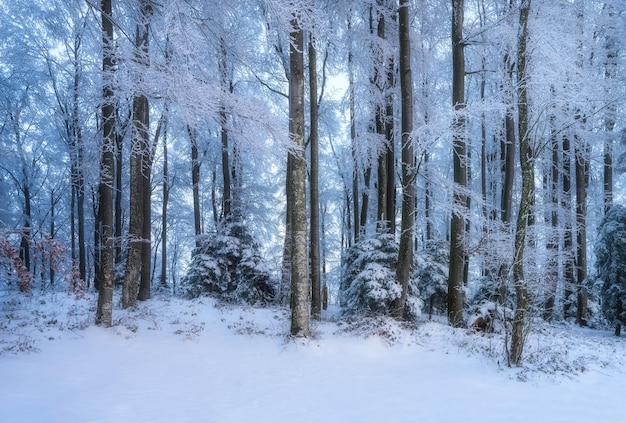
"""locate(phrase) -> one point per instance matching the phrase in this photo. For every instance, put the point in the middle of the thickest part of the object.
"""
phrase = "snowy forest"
(408, 160)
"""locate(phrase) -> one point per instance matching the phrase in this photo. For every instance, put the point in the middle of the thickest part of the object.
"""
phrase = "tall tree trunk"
(390, 153)
(139, 174)
(226, 167)
(405, 253)
(286, 265)
(609, 120)
(509, 151)
(296, 195)
(582, 178)
(26, 230)
(427, 194)
(568, 236)
(554, 238)
(195, 183)
(79, 179)
(118, 215)
(104, 312)
(146, 246)
(166, 197)
(526, 198)
(457, 224)
(52, 234)
(314, 197)
(507, 158)
(355, 162)
(384, 65)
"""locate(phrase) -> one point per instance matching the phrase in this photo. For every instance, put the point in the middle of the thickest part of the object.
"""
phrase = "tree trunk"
(119, 164)
(355, 163)
(104, 312)
(166, 197)
(582, 178)
(457, 224)
(568, 236)
(78, 179)
(405, 253)
(384, 64)
(296, 194)
(509, 152)
(139, 175)
(610, 73)
(552, 246)
(146, 246)
(528, 180)
(316, 299)
(226, 169)
(195, 182)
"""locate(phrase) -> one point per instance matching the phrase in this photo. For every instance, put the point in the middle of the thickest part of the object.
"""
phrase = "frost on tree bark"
(353, 145)
(316, 293)
(457, 224)
(528, 179)
(107, 163)
(296, 193)
(568, 236)
(405, 253)
(139, 174)
(166, 197)
(195, 182)
(552, 245)
(384, 65)
(582, 180)
(226, 85)
(610, 72)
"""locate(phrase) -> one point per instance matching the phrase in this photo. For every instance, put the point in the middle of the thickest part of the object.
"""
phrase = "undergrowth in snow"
(176, 360)
(552, 351)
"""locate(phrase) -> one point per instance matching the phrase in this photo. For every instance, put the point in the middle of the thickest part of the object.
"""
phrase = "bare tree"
(457, 224)
(405, 253)
(314, 197)
(528, 180)
(296, 193)
(139, 169)
(104, 224)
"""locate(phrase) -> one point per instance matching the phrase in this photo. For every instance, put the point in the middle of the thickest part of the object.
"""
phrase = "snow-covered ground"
(172, 360)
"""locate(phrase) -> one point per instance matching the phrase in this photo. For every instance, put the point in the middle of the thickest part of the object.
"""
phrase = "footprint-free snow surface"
(172, 360)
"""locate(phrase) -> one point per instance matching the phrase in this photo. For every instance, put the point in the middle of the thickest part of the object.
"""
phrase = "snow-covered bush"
(610, 249)
(369, 284)
(431, 275)
(228, 265)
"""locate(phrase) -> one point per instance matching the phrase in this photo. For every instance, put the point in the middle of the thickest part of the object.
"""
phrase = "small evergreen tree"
(228, 266)
(369, 283)
(431, 275)
(610, 249)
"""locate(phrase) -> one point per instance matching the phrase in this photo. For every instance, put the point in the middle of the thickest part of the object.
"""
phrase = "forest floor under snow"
(173, 360)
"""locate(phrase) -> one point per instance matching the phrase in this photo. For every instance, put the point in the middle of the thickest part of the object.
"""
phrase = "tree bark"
(316, 294)
(166, 197)
(552, 246)
(457, 224)
(528, 179)
(297, 191)
(568, 236)
(226, 167)
(139, 175)
(405, 253)
(195, 183)
(355, 163)
(118, 214)
(582, 178)
(509, 151)
(104, 311)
